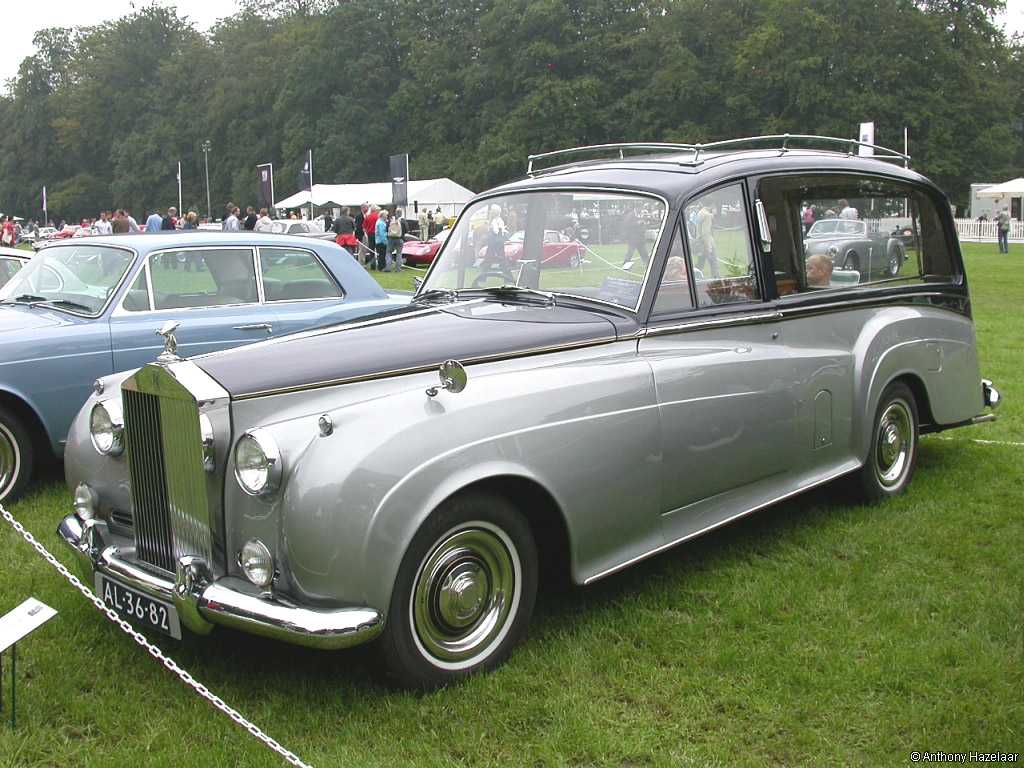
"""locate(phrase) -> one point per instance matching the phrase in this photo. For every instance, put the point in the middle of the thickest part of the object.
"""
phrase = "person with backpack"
(396, 235)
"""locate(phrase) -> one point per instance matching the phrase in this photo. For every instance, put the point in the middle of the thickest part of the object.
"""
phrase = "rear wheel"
(893, 454)
(16, 456)
(463, 595)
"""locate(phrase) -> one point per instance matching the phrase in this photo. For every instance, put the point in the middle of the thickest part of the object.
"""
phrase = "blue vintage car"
(83, 309)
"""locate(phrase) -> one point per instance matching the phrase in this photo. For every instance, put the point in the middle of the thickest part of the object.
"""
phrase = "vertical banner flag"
(306, 174)
(867, 135)
(266, 186)
(400, 180)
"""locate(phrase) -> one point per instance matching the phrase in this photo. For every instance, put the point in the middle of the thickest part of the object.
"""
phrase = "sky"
(23, 19)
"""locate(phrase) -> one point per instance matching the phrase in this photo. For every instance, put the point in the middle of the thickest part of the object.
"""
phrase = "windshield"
(585, 243)
(82, 275)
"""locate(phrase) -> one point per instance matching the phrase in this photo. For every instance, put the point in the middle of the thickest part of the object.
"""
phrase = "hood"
(14, 317)
(414, 338)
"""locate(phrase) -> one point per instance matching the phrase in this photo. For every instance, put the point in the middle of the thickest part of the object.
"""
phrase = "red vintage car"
(423, 251)
(560, 250)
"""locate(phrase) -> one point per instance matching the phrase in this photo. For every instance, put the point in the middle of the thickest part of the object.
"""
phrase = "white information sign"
(24, 619)
(867, 135)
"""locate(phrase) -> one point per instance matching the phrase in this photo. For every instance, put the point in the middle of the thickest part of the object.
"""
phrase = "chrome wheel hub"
(465, 593)
(9, 461)
(894, 445)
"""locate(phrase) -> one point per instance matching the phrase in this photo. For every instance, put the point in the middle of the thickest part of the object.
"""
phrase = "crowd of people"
(374, 234)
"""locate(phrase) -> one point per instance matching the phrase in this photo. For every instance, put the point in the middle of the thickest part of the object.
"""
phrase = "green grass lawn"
(812, 633)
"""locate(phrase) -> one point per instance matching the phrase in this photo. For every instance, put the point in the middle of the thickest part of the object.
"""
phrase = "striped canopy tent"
(426, 193)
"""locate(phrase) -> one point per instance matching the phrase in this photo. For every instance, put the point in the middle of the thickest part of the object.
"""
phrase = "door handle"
(256, 327)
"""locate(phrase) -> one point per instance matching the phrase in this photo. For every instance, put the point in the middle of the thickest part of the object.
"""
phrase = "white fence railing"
(971, 229)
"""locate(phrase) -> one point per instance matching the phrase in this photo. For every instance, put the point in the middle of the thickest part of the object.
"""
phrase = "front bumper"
(202, 602)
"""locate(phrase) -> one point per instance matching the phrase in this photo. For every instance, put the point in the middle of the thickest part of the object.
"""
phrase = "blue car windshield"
(75, 278)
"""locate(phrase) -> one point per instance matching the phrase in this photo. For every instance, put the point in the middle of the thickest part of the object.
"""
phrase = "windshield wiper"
(25, 298)
(514, 290)
(69, 305)
(449, 295)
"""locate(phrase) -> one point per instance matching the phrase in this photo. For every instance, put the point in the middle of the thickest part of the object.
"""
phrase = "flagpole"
(310, 184)
(46, 218)
(179, 188)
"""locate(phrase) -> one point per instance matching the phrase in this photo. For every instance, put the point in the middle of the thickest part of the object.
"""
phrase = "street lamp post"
(206, 160)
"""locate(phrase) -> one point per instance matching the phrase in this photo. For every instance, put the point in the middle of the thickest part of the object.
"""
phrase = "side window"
(137, 297)
(7, 269)
(723, 265)
(208, 277)
(674, 289)
(835, 232)
(290, 274)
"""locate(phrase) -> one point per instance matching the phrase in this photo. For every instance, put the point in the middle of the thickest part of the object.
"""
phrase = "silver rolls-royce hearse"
(401, 478)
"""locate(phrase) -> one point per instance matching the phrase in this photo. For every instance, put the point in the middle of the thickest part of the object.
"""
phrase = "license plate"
(138, 607)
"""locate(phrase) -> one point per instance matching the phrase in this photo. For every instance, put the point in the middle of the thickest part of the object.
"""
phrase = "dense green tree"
(103, 115)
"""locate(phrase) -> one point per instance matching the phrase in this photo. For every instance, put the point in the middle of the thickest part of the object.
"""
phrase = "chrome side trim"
(713, 526)
(721, 322)
(430, 367)
(228, 601)
(838, 306)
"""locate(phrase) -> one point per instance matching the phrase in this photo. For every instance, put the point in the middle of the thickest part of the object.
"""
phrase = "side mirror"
(417, 283)
(453, 378)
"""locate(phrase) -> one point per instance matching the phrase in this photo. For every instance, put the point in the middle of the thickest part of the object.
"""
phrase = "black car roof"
(676, 176)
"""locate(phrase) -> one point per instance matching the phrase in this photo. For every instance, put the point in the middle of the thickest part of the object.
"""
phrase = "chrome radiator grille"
(170, 509)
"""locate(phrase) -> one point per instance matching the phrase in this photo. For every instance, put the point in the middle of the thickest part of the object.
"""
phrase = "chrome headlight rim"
(253, 557)
(273, 467)
(114, 444)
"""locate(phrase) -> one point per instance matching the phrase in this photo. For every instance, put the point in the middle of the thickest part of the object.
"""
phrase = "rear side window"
(835, 232)
(290, 274)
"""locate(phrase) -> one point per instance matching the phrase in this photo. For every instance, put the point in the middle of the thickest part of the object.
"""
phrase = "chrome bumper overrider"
(202, 602)
(990, 394)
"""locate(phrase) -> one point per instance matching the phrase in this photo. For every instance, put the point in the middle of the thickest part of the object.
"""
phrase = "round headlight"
(257, 463)
(257, 563)
(106, 427)
(833, 251)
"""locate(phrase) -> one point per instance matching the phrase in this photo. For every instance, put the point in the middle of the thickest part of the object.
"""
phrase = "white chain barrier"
(154, 651)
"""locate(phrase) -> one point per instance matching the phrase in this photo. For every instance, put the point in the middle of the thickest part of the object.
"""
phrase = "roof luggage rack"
(781, 141)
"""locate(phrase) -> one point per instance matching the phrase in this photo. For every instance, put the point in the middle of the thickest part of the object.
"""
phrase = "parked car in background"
(854, 246)
(297, 227)
(423, 251)
(82, 309)
(558, 249)
(403, 478)
(11, 260)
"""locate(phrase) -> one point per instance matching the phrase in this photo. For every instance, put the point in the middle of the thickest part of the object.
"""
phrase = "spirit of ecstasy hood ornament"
(170, 353)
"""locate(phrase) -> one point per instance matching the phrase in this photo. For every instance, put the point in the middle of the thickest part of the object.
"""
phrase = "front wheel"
(16, 456)
(463, 595)
(893, 454)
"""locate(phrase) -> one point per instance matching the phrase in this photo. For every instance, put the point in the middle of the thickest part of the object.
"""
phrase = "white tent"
(428, 193)
(1012, 188)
